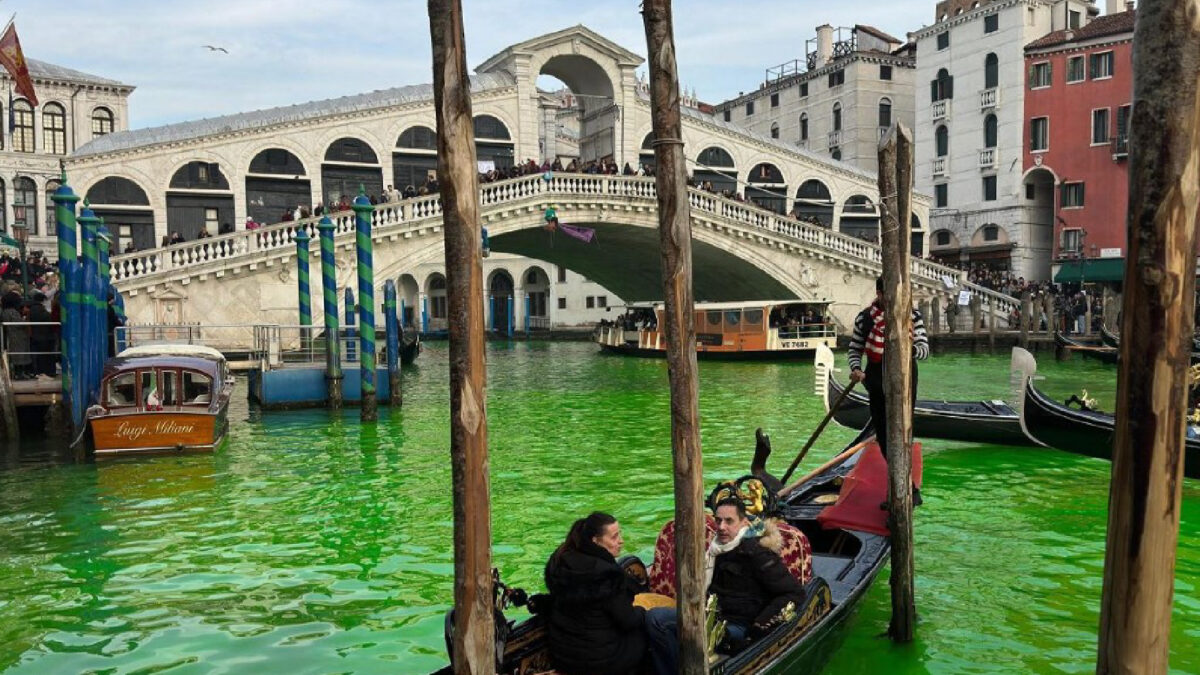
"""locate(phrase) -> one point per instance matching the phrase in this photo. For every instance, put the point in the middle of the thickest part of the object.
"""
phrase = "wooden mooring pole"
(895, 190)
(473, 645)
(1156, 335)
(675, 237)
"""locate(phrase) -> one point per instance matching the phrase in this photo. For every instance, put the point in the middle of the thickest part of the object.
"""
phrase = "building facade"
(847, 91)
(1077, 110)
(970, 124)
(73, 109)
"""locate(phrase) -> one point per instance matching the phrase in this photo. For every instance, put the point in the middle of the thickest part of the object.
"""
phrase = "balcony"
(941, 109)
(1120, 147)
(940, 166)
(988, 98)
(987, 158)
(834, 139)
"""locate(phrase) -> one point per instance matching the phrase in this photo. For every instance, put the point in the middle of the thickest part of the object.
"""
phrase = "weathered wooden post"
(333, 347)
(895, 188)
(1026, 310)
(935, 316)
(1156, 340)
(675, 240)
(473, 646)
(991, 322)
(365, 254)
(1087, 313)
(1048, 310)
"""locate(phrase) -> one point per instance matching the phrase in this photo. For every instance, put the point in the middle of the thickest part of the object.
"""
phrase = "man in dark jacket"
(594, 629)
(750, 581)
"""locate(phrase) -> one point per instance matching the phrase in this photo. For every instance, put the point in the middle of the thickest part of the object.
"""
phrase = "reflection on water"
(311, 544)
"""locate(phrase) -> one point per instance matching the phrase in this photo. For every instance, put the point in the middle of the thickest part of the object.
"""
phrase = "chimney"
(824, 44)
(1112, 7)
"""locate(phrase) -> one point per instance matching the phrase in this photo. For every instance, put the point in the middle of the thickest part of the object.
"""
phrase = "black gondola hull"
(1083, 432)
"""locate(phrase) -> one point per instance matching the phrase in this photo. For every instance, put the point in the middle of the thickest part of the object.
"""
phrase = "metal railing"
(277, 346)
(224, 338)
(28, 363)
(808, 330)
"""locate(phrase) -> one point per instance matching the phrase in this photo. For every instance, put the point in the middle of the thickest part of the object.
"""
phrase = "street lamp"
(21, 234)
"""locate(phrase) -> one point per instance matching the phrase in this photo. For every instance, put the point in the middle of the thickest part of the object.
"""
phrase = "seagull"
(211, 48)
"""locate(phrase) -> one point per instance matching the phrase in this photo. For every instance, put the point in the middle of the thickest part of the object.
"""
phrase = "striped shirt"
(867, 337)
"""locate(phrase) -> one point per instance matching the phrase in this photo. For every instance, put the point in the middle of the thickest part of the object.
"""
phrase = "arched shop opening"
(814, 202)
(414, 160)
(765, 187)
(125, 208)
(275, 183)
(349, 163)
(646, 154)
(435, 294)
(408, 296)
(714, 165)
(536, 287)
(860, 218)
(195, 200)
(500, 289)
(493, 143)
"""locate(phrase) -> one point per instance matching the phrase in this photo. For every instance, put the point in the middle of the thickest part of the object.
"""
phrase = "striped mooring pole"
(104, 271)
(366, 304)
(68, 298)
(93, 340)
(304, 292)
(392, 330)
(333, 351)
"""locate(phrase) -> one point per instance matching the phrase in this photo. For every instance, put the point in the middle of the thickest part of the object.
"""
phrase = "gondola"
(1083, 432)
(993, 422)
(844, 564)
(1095, 351)
(410, 347)
(1111, 339)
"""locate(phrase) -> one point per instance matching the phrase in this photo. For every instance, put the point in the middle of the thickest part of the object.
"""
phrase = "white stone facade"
(959, 174)
(68, 102)
(780, 105)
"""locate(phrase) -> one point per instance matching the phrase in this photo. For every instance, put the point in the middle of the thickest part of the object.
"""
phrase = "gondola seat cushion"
(794, 549)
(662, 571)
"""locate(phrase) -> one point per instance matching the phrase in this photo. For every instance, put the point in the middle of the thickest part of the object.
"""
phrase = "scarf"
(754, 529)
(874, 344)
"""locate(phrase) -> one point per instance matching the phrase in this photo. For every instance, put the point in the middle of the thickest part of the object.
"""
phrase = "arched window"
(837, 116)
(774, 129)
(648, 142)
(417, 138)
(885, 113)
(102, 122)
(51, 186)
(942, 87)
(54, 128)
(22, 126)
(350, 150)
(941, 141)
(991, 71)
(487, 126)
(804, 126)
(25, 204)
(715, 156)
(989, 131)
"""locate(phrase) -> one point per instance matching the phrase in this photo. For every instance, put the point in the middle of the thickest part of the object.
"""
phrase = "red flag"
(14, 62)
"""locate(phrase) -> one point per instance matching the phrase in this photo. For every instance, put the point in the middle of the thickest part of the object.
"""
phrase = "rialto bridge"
(214, 173)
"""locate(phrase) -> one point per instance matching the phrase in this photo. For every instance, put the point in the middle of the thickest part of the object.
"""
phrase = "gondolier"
(868, 338)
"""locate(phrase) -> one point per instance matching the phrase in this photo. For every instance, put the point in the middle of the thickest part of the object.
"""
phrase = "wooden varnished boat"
(161, 398)
(1090, 350)
(752, 330)
(1111, 339)
(1082, 432)
(993, 422)
(844, 564)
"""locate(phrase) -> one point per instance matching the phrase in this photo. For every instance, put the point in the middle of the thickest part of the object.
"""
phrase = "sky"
(283, 52)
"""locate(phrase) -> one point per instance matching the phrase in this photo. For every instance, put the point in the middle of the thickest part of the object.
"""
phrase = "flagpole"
(8, 25)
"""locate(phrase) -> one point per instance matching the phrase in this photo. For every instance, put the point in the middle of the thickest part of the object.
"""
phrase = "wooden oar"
(820, 427)
(833, 462)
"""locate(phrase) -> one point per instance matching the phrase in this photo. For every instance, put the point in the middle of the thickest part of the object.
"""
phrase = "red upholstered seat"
(796, 552)
(662, 571)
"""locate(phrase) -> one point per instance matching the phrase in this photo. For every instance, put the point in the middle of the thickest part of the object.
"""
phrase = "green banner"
(6, 240)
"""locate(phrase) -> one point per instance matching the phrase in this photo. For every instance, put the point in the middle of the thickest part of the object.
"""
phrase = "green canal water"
(311, 544)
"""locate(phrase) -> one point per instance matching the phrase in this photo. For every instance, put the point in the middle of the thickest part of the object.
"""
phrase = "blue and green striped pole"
(93, 335)
(68, 296)
(366, 304)
(392, 330)
(103, 246)
(333, 351)
(304, 292)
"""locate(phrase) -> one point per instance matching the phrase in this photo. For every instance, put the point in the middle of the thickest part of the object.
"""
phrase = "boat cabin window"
(120, 392)
(752, 320)
(713, 319)
(169, 382)
(151, 396)
(197, 388)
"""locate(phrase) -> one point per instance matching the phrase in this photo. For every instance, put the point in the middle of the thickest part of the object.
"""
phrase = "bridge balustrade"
(560, 187)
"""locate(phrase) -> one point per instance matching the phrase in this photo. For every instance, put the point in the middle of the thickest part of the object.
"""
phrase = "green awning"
(1094, 269)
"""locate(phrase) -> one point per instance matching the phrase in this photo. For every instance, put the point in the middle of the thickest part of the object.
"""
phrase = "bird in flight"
(212, 48)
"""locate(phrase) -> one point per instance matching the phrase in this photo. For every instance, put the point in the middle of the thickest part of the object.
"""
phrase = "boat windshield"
(197, 388)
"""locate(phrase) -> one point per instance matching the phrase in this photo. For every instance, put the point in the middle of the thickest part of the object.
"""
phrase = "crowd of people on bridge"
(30, 344)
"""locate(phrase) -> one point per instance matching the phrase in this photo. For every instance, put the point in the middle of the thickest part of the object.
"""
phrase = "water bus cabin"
(162, 398)
(765, 329)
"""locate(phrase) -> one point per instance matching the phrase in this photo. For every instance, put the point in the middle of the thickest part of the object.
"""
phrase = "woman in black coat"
(594, 629)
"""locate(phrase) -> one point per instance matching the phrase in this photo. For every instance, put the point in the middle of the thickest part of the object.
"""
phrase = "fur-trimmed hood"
(771, 538)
